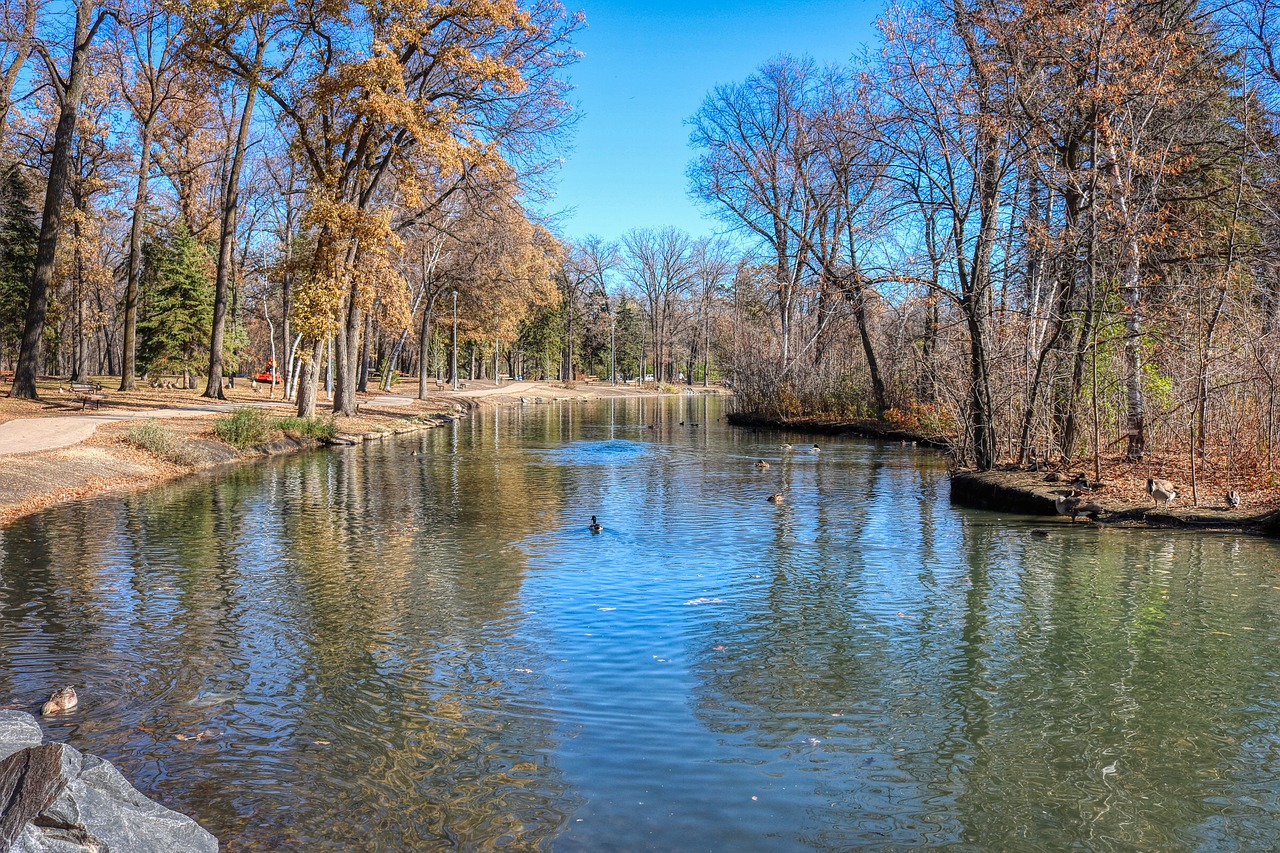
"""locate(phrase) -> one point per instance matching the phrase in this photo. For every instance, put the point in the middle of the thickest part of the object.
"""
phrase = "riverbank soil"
(1121, 493)
(57, 449)
(830, 426)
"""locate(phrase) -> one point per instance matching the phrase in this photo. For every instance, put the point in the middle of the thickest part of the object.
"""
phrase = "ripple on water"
(615, 451)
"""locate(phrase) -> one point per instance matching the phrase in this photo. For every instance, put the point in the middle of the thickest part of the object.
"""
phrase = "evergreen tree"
(177, 307)
(18, 236)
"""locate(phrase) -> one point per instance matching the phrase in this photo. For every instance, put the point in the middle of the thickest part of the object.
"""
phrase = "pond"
(418, 644)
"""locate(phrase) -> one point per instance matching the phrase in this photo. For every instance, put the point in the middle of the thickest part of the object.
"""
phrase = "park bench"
(89, 392)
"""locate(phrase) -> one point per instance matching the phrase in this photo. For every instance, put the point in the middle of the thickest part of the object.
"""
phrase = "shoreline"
(1029, 493)
(1032, 493)
(106, 462)
(864, 428)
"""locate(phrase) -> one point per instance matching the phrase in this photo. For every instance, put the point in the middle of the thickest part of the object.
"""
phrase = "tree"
(178, 304)
(70, 90)
(18, 237)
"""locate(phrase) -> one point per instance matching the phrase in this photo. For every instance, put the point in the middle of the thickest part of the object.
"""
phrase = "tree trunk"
(24, 375)
(347, 356)
(424, 345)
(226, 239)
(309, 381)
(1135, 400)
(133, 272)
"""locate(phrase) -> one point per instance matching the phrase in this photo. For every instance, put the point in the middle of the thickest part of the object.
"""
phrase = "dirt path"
(30, 435)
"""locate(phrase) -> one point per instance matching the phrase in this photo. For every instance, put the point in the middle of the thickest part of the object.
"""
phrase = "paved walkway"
(28, 435)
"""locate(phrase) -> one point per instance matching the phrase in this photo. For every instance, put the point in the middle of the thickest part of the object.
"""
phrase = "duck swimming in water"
(815, 449)
(762, 465)
(786, 447)
(775, 498)
(63, 699)
(595, 526)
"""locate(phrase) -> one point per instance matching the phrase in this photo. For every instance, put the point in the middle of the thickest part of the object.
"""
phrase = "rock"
(54, 799)
(18, 731)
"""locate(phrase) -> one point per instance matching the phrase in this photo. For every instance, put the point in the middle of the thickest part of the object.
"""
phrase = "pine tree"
(18, 236)
(177, 307)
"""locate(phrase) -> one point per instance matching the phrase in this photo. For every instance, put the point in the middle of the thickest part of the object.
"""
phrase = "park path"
(29, 435)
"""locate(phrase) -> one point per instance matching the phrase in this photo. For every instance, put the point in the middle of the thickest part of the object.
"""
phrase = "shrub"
(306, 427)
(243, 428)
(163, 442)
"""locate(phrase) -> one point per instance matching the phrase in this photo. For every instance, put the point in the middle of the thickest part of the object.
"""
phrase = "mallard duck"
(63, 699)
(595, 526)
(762, 465)
(1161, 491)
(1233, 499)
(785, 447)
(775, 498)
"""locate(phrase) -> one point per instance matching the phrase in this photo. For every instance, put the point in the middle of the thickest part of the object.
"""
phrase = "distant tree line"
(1040, 227)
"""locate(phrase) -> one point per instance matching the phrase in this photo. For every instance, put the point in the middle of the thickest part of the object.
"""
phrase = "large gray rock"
(18, 731)
(95, 810)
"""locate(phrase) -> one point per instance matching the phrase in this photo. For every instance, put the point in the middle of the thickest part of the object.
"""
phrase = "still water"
(419, 645)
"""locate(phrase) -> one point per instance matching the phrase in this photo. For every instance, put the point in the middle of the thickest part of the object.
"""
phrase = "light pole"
(453, 352)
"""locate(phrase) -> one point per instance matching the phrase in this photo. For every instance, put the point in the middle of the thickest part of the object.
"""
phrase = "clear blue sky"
(646, 68)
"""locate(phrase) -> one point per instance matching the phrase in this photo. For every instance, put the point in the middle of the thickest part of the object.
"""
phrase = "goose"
(595, 526)
(1161, 491)
(1233, 499)
(63, 699)
(762, 465)
(1074, 508)
(775, 498)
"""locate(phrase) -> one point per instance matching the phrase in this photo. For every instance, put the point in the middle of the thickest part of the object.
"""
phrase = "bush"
(306, 427)
(163, 442)
(243, 428)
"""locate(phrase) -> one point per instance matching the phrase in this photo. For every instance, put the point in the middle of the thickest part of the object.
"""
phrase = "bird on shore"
(1233, 499)
(775, 498)
(1161, 491)
(63, 699)
(1074, 507)
(762, 465)
(595, 526)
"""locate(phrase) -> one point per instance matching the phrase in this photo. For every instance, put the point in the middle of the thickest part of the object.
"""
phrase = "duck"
(63, 699)
(786, 447)
(762, 465)
(1161, 491)
(1074, 508)
(1233, 499)
(776, 498)
(595, 526)
(815, 449)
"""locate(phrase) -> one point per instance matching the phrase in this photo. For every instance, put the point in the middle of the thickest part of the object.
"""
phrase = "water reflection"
(419, 645)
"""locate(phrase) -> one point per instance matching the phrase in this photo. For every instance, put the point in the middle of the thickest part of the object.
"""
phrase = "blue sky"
(646, 68)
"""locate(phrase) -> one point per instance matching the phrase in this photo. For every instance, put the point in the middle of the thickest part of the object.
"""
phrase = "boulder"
(54, 799)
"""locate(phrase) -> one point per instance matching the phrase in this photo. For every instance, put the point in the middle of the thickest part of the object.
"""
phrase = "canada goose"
(775, 498)
(595, 526)
(1233, 499)
(815, 449)
(63, 699)
(1161, 491)
(1074, 508)
(762, 465)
